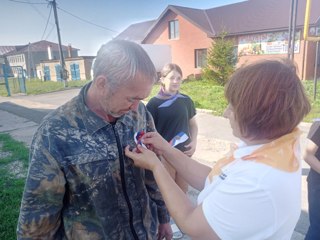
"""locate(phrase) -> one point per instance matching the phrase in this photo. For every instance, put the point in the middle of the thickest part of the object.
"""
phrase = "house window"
(58, 72)
(46, 70)
(200, 58)
(173, 29)
(75, 71)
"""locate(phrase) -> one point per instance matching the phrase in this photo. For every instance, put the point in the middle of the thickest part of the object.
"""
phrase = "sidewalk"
(20, 116)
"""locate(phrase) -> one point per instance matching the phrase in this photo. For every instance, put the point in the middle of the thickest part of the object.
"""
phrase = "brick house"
(259, 29)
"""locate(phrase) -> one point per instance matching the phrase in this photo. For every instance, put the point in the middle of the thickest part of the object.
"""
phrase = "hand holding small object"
(138, 138)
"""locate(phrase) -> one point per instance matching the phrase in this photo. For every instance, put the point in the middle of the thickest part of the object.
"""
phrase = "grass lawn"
(13, 168)
(35, 86)
(315, 104)
(211, 97)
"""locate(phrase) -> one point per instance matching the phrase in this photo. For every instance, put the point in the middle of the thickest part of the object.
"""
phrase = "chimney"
(49, 52)
(69, 51)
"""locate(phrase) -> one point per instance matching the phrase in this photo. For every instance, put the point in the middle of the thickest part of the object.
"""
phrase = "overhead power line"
(47, 23)
(49, 33)
(37, 10)
(65, 11)
(27, 2)
(84, 20)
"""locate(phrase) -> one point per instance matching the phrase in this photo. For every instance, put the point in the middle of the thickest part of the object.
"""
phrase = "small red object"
(138, 137)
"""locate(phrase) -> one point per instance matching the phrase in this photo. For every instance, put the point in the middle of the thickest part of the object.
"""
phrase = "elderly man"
(80, 184)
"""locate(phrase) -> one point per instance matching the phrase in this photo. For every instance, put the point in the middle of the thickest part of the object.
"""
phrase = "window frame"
(173, 29)
(196, 57)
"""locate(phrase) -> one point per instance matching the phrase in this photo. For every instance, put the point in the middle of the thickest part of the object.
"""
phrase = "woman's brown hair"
(268, 99)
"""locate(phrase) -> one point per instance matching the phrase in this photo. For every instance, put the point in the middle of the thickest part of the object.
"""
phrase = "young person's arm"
(310, 158)
(313, 147)
(193, 134)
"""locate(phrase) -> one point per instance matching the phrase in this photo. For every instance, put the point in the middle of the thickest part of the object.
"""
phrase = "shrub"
(221, 60)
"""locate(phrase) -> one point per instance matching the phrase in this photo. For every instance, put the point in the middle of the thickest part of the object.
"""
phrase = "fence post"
(5, 74)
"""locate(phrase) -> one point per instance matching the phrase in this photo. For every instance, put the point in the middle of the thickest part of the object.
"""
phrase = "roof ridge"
(207, 17)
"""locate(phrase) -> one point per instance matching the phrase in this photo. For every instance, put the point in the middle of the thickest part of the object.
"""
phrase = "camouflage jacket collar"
(91, 120)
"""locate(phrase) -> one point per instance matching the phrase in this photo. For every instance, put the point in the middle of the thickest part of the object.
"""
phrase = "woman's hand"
(155, 142)
(143, 157)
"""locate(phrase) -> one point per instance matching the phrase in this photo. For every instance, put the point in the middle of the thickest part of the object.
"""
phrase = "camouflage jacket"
(80, 184)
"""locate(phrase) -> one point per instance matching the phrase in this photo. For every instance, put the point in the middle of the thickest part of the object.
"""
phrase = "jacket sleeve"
(42, 201)
(154, 192)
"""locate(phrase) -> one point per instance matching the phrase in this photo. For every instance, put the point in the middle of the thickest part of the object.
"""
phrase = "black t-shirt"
(172, 119)
(314, 136)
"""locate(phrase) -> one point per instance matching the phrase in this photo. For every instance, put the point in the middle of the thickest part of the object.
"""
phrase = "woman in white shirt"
(253, 192)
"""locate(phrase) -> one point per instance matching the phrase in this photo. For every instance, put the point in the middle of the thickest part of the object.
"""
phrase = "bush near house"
(221, 60)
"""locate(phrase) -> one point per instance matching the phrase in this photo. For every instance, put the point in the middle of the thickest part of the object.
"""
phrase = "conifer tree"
(221, 60)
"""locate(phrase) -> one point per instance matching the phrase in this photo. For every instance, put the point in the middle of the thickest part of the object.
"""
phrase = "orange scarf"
(278, 154)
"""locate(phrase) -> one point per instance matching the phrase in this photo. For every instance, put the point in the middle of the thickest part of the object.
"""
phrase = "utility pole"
(292, 28)
(63, 71)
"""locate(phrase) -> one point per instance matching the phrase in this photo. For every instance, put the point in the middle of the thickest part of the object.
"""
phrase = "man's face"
(117, 102)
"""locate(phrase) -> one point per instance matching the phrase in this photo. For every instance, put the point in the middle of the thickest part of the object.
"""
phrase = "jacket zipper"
(123, 182)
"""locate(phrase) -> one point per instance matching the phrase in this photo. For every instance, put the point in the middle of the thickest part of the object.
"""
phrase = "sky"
(85, 24)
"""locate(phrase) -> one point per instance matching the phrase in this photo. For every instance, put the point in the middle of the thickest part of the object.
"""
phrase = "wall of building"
(160, 55)
(191, 38)
(87, 68)
(305, 70)
(84, 67)
(51, 64)
(310, 59)
(183, 48)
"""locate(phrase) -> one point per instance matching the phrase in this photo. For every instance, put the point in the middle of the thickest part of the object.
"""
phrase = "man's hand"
(164, 232)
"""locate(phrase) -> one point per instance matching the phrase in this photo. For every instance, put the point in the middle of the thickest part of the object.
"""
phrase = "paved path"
(20, 116)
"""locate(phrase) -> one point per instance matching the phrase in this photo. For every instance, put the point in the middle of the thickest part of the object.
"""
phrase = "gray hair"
(121, 61)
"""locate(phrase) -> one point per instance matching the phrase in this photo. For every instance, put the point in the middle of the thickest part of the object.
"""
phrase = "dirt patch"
(17, 169)
(210, 150)
(5, 154)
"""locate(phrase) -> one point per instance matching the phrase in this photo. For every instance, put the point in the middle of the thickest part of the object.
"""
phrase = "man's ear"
(101, 82)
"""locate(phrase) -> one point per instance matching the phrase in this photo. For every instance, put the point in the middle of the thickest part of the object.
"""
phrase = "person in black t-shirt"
(312, 157)
(174, 116)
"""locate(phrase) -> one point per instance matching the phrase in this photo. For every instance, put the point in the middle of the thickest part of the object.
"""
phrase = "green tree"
(221, 60)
